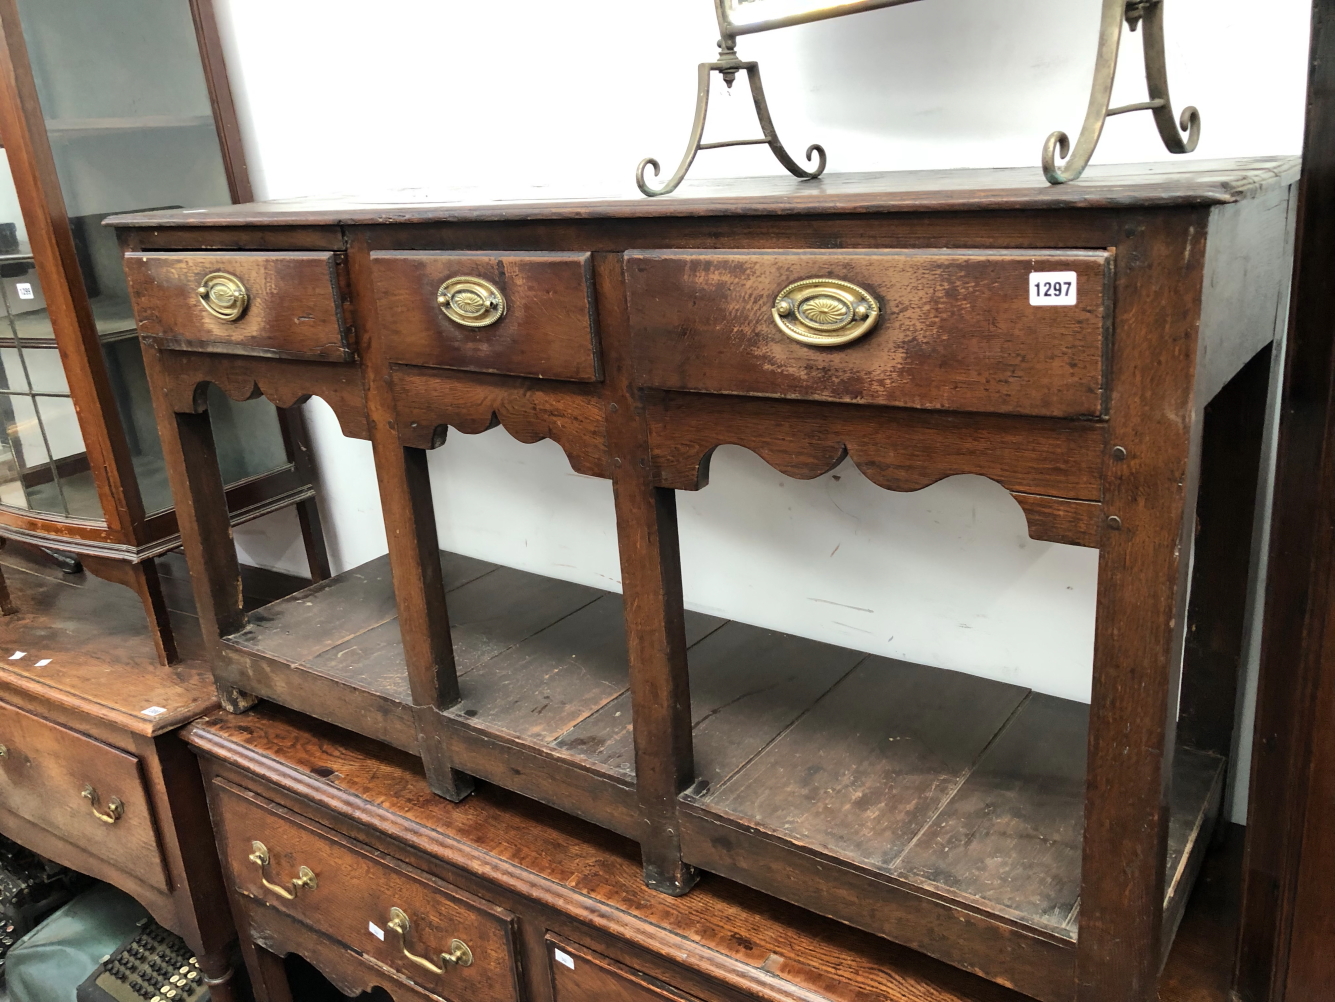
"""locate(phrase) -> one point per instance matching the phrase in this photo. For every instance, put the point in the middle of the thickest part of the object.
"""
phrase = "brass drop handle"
(472, 302)
(459, 955)
(304, 878)
(4, 751)
(825, 312)
(224, 295)
(115, 809)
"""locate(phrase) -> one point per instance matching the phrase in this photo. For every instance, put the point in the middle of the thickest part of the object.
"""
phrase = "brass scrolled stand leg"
(1105, 71)
(729, 66)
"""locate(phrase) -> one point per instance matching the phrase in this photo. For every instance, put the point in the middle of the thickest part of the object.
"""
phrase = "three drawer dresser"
(1102, 350)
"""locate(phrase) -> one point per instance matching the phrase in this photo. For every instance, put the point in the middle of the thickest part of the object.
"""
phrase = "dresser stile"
(414, 554)
(651, 583)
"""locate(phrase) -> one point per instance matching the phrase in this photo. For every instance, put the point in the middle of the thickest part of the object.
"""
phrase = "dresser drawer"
(288, 304)
(968, 331)
(86, 792)
(521, 314)
(382, 909)
(581, 975)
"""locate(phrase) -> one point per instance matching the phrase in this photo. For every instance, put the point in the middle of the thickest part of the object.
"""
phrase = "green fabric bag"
(50, 963)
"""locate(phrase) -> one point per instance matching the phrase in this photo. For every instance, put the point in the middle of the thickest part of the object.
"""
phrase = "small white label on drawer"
(18, 655)
(1052, 288)
(24, 290)
(376, 931)
(563, 958)
(43, 663)
(154, 711)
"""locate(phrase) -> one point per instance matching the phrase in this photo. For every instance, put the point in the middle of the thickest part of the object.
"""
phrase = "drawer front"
(293, 303)
(541, 322)
(350, 894)
(581, 975)
(952, 330)
(45, 770)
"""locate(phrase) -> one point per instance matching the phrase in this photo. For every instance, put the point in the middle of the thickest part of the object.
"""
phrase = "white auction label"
(376, 931)
(25, 290)
(1052, 288)
(563, 958)
(154, 711)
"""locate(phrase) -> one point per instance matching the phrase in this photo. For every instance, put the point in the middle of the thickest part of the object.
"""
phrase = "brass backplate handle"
(305, 877)
(460, 955)
(472, 302)
(224, 296)
(115, 809)
(825, 312)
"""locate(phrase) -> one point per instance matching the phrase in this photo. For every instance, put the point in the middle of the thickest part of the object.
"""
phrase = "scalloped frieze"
(283, 382)
(1052, 468)
(427, 402)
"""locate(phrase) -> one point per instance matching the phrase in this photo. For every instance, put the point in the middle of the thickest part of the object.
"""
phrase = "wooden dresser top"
(754, 942)
(1200, 182)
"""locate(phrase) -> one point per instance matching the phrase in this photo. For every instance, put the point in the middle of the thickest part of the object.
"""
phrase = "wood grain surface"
(585, 886)
(549, 330)
(355, 889)
(44, 773)
(1161, 185)
(957, 332)
(296, 303)
(579, 973)
(1052, 467)
(429, 402)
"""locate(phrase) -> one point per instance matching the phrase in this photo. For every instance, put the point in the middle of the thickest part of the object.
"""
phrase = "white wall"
(424, 93)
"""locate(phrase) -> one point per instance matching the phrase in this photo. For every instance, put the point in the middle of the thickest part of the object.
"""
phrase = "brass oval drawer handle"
(305, 878)
(224, 296)
(473, 302)
(115, 809)
(825, 311)
(460, 955)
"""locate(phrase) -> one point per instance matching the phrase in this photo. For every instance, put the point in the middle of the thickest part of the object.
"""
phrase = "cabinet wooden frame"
(1187, 375)
(122, 545)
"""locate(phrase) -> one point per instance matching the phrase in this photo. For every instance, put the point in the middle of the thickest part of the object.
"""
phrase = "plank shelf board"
(938, 783)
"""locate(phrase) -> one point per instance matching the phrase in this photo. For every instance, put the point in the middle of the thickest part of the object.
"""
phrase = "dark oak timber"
(86, 705)
(584, 926)
(1043, 844)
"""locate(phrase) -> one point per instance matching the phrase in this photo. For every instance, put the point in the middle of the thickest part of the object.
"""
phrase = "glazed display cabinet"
(104, 110)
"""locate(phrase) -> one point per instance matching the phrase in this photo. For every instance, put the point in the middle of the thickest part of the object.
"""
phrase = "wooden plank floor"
(969, 788)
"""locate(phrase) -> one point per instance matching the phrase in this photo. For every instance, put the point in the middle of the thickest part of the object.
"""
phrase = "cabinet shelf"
(66, 128)
(933, 782)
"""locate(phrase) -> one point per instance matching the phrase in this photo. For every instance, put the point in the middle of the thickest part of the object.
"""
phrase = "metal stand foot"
(728, 65)
(1171, 129)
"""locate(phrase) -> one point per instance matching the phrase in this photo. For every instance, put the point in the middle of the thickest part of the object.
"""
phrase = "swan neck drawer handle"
(115, 809)
(460, 955)
(305, 878)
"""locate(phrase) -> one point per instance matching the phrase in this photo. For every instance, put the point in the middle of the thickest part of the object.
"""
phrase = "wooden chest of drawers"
(1101, 350)
(93, 772)
(550, 909)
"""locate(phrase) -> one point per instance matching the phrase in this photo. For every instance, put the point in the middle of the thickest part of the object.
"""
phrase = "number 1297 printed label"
(1052, 288)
